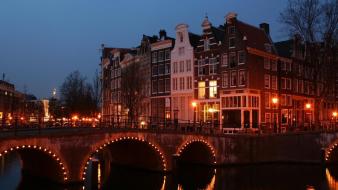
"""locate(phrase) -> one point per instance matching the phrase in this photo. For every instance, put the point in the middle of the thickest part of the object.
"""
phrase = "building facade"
(160, 79)
(207, 78)
(182, 74)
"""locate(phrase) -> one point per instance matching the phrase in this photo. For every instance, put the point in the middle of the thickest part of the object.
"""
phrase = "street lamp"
(308, 106)
(194, 105)
(334, 117)
(275, 101)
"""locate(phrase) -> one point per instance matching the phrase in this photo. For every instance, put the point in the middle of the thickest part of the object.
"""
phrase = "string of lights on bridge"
(200, 141)
(329, 151)
(42, 149)
(99, 148)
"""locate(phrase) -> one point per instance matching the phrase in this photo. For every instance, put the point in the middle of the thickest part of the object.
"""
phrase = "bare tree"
(316, 22)
(132, 83)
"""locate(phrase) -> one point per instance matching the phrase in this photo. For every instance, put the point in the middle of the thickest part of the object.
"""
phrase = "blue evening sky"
(42, 41)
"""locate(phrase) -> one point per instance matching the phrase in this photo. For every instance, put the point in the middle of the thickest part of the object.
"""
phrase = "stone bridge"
(62, 155)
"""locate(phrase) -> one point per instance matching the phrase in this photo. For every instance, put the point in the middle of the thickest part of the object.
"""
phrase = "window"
(267, 81)
(288, 100)
(288, 84)
(181, 66)
(213, 65)
(295, 85)
(232, 30)
(273, 65)
(161, 85)
(267, 100)
(154, 86)
(188, 65)
(206, 44)
(181, 83)
(174, 84)
(189, 82)
(233, 78)
(283, 66)
(225, 60)
(213, 89)
(231, 42)
(301, 86)
(175, 67)
(267, 117)
(266, 63)
(284, 116)
(160, 56)
(154, 57)
(241, 57)
(267, 47)
(155, 71)
(242, 78)
(167, 85)
(161, 69)
(167, 54)
(232, 59)
(283, 83)
(225, 80)
(201, 70)
(201, 89)
(180, 35)
(167, 69)
(181, 51)
(274, 82)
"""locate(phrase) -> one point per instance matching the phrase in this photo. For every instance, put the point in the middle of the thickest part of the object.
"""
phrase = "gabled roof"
(194, 39)
(218, 33)
(284, 48)
(255, 37)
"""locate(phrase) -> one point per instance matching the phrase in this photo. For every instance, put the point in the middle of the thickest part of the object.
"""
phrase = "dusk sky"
(42, 41)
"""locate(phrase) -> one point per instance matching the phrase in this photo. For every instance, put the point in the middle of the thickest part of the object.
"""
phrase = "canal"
(258, 177)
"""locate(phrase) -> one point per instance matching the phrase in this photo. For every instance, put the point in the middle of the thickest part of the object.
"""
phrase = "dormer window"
(206, 44)
(232, 30)
(180, 35)
(267, 47)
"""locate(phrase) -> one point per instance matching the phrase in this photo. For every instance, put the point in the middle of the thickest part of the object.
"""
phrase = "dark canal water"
(262, 177)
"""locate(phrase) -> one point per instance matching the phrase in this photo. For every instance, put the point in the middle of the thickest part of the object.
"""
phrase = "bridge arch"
(100, 147)
(197, 151)
(51, 165)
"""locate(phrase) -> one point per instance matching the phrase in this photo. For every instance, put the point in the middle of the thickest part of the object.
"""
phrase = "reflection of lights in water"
(163, 184)
(98, 175)
(179, 187)
(332, 182)
(211, 185)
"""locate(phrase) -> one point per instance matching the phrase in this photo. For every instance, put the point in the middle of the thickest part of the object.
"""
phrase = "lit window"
(213, 89)
(201, 89)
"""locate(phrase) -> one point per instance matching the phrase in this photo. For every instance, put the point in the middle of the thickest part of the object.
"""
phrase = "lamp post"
(308, 107)
(275, 101)
(334, 117)
(194, 105)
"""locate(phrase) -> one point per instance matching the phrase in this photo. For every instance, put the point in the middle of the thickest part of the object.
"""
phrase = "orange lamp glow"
(274, 100)
(308, 106)
(334, 114)
(194, 104)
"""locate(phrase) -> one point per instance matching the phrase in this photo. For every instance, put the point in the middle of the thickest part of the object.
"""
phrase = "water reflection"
(260, 177)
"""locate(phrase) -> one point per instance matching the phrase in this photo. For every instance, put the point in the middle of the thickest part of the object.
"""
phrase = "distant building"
(10, 103)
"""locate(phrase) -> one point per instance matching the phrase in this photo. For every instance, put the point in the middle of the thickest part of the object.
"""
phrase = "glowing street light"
(334, 114)
(308, 106)
(275, 101)
(194, 105)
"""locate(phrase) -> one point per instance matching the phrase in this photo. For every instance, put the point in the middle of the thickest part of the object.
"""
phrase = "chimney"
(265, 26)
(230, 17)
(163, 34)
